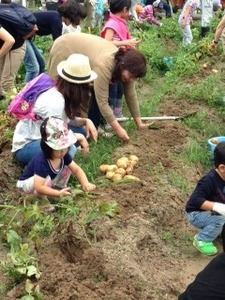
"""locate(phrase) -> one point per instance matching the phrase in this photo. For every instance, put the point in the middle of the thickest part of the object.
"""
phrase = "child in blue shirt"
(49, 171)
(205, 208)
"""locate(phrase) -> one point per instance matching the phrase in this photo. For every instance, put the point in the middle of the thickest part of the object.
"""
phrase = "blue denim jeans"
(31, 149)
(115, 94)
(33, 60)
(210, 225)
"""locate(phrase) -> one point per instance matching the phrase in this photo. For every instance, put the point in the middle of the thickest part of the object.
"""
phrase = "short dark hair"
(116, 6)
(73, 11)
(131, 60)
(219, 154)
(48, 151)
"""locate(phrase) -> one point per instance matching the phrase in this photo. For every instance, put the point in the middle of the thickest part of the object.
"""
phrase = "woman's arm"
(219, 30)
(89, 126)
(133, 104)
(109, 35)
(8, 40)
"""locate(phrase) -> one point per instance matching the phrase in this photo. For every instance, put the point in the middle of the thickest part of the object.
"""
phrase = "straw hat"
(76, 69)
(55, 133)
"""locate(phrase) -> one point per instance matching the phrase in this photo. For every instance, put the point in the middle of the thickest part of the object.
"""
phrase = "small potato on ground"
(117, 177)
(122, 162)
(103, 168)
(129, 169)
(112, 168)
(110, 174)
(121, 171)
(131, 177)
(133, 157)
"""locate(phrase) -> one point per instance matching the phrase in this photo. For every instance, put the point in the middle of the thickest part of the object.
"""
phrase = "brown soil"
(146, 251)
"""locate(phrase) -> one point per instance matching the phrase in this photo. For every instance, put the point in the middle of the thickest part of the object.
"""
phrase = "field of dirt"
(146, 251)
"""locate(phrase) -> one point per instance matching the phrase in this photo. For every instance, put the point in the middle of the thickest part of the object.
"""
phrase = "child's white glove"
(219, 208)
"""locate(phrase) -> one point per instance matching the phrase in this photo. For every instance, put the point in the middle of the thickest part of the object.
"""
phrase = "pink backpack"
(22, 105)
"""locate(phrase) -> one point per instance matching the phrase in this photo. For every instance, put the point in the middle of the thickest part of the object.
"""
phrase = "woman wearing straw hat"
(65, 100)
(111, 65)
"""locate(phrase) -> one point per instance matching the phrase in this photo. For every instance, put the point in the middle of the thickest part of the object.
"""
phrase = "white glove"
(219, 208)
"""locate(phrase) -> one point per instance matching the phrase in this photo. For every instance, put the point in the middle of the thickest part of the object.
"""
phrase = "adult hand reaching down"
(120, 131)
(141, 125)
(91, 130)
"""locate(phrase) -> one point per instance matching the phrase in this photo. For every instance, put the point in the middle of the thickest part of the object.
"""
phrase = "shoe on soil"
(206, 248)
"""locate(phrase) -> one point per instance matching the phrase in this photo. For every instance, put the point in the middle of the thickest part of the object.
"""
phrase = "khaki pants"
(9, 66)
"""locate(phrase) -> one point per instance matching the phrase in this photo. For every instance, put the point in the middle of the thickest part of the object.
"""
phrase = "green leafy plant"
(84, 210)
(32, 291)
(21, 264)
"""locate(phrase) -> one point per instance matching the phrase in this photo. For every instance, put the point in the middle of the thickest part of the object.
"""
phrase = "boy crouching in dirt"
(206, 207)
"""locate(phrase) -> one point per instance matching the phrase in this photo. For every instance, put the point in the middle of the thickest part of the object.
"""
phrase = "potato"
(132, 163)
(121, 171)
(131, 177)
(129, 169)
(112, 168)
(117, 177)
(103, 168)
(122, 162)
(110, 174)
(133, 157)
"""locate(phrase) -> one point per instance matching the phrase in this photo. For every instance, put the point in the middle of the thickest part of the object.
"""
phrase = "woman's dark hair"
(116, 6)
(131, 60)
(73, 11)
(76, 97)
(219, 154)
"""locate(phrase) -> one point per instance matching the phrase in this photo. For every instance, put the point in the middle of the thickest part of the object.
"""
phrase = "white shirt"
(49, 103)
(70, 28)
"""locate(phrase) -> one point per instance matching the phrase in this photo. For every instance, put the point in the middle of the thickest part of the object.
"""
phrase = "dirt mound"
(145, 252)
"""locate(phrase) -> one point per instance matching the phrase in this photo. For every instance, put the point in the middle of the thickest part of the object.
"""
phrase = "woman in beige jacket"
(111, 65)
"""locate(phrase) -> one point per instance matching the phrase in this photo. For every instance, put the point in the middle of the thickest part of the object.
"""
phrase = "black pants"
(204, 31)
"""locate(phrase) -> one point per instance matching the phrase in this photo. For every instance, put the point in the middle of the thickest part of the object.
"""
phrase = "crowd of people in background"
(67, 16)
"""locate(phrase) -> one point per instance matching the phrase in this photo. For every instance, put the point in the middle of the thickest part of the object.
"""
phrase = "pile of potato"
(121, 170)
